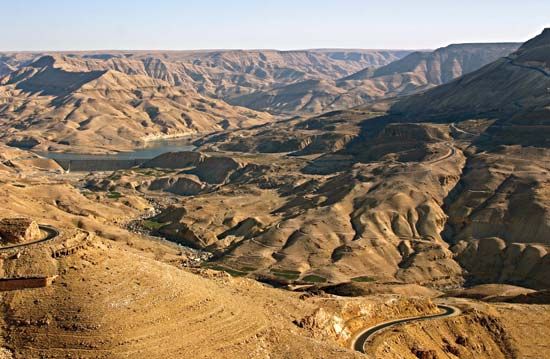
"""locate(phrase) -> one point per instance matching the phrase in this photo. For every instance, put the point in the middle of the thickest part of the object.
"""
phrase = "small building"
(18, 230)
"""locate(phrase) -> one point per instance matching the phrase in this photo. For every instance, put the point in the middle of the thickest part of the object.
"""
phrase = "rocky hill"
(414, 72)
(516, 85)
(403, 197)
(117, 100)
(223, 73)
(442, 65)
(114, 293)
(57, 104)
(277, 236)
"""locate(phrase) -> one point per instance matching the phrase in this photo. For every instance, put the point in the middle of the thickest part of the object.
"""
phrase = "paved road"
(51, 233)
(367, 334)
(513, 63)
(450, 153)
(453, 126)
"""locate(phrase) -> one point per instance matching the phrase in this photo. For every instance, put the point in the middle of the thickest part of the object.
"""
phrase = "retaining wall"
(25, 283)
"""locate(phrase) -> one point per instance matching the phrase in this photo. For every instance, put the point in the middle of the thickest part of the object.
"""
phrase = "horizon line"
(261, 49)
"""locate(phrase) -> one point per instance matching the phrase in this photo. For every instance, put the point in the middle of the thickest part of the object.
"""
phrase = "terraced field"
(130, 310)
(111, 301)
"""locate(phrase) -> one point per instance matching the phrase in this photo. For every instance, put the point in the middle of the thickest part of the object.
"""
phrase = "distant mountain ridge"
(113, 100)
(414, 72)
(514, 85)
(212, 70)
(53, 104)
(443, 64)
(188, 92)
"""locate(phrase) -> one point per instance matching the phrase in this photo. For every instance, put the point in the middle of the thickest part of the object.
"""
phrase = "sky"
(35, 25)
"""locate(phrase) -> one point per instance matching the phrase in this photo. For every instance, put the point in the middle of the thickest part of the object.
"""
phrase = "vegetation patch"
(152, 225)
(152, 112)
(313, 278)
(363, 279)
(287, 274)
(232, 272)
(114, 195)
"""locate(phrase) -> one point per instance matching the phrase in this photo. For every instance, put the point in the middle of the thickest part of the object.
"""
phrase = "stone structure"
(80, 240)
(7, 284)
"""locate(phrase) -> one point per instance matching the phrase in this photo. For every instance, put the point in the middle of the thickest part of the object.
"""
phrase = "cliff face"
(444, 64)
(499, 212)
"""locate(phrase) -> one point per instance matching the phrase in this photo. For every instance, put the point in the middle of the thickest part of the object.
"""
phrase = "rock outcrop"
(175, 160)
(215, 170)
(18, 230)
(492, 260)
(183, 185)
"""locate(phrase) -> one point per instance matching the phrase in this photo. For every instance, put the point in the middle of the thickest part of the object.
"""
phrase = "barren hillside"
(515, 86)
(54, 104)
(415, 72)
(323, 203)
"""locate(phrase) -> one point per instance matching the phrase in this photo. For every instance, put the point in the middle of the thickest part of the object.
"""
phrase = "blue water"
(153, 149)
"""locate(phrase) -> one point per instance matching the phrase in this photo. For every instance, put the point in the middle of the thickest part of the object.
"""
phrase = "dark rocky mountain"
(515, 85)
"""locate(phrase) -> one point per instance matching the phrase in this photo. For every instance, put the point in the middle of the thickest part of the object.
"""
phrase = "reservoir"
(120, 160)
(152, 150)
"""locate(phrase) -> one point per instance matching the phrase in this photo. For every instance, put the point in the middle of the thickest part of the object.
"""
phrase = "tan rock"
(19, 230)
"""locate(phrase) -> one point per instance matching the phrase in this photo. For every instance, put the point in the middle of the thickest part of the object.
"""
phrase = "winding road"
(51, 233)
(512, 62)
(367, 334)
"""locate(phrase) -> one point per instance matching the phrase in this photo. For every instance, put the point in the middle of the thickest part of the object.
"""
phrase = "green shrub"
(114, 195)
(313, 278)
(287, 274)
(363, 279)
(152, 225)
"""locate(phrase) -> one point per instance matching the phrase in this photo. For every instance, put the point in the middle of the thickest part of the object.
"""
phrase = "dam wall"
(90, 165)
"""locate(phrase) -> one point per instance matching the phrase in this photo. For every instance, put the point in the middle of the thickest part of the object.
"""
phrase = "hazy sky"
(280, 24)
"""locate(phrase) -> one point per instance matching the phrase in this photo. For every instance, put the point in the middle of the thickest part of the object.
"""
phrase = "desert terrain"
(321, 204)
